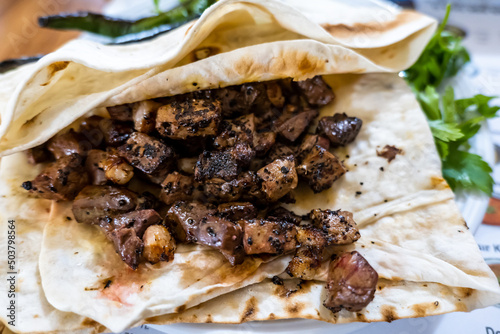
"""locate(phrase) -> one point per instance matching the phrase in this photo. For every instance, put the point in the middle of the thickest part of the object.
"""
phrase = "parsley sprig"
(453, 122)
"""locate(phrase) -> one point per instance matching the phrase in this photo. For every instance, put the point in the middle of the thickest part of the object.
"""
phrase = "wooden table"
(19, 32)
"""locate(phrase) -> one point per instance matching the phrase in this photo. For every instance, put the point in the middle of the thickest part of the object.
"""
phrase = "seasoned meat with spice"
(201, 225)
(315, 91)
(234, 211)
(121, 113)
(278, 178)
(280, 151)
(338, 225)
(281, 214)
(115, 132)
(159, 245)
(61, 180)
(270, 237)
(225, 164)
(339, 128)
(305, 262)
(97, 176)
(351, 283)
(239, 130)
(320, 168)
(147, 154)
(309, 142)
(68, 143)
(246, 98)
(245, 183)
(139, 220)
(98, 202)
(223, 235)
(188, 117)
(292, 126)
(144, 115)
(185, 216)
(177, 187)
(38, 155)
(263, 141)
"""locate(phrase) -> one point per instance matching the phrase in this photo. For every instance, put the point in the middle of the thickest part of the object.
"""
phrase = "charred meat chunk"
(279, 178)
(351, 283)
(68, 143)
(98, 202)
(225, 164)
(230, 191)
(234, 211)
(281, 214)
(38, 155)
(263, 141)
(139, 220)
(240, 130)
(269, 237)
(159, 245)
(115, 132)
(246, 98)
(339, 226)
(320, 168)
(61, 180)
(339, 128)
(292, 126)
(309, 142)
(188, 117)
(177, 187)
(315, 91)
(147, 154)
(280, 151)
(201, 225)
(223, 235)
(121, 113)
(185, 217)
(144, 115)
(305, 262)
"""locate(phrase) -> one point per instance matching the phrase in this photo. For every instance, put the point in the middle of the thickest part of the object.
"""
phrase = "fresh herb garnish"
(452, 122)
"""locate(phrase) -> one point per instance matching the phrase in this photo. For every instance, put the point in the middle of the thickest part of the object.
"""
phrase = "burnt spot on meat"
(177, 187)
(269, 237)
(187, 117)
(147, 154)
(278, 178)
(339, 128)
(320, 168)
(239, 130)
(235, 211)
(351, 283)
(339, 226)
(389, 152)
(60, 180)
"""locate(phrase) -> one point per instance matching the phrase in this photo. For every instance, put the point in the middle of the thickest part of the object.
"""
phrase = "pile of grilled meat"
(219, 163)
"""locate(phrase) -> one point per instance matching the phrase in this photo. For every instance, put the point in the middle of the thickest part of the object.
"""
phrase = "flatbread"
(412, 232)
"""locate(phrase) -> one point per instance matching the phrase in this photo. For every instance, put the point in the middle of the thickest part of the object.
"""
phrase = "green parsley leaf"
(467, 170)
(452, 122)
(445, 131)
